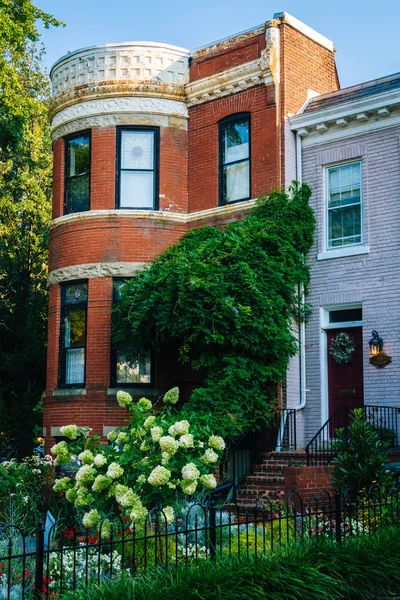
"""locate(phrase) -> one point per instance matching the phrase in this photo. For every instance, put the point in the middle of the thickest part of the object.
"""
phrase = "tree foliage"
(226, 297)
(25, 178)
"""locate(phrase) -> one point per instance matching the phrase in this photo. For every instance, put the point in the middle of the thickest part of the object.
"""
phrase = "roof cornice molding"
(346, 115)
(231, 81)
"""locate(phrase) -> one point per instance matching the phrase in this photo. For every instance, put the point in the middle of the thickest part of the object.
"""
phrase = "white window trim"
(349, 249)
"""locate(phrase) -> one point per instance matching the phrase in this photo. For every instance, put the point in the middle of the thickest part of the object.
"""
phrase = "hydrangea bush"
(150, 462)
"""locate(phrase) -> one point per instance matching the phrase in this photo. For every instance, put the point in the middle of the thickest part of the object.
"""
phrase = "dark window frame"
(114, 356)
(62, 354)
(155, 170)
(221, 125)
(67, 140)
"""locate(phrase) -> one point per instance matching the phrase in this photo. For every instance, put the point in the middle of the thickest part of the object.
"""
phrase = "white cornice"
(305, 30)
(231, 81)
(160, 215)
(346, 110)
(118, 105)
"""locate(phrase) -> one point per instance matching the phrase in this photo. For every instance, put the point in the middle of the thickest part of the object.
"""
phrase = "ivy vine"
(225, 299)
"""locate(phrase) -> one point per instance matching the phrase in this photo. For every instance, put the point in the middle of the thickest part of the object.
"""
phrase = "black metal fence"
(64, 557)
(384, 419)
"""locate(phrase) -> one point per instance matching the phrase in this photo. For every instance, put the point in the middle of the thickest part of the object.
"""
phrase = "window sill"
(134, 391)
(342, 252)
(65, 392)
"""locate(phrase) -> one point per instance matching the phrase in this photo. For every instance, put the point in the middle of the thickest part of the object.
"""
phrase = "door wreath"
(341, 348)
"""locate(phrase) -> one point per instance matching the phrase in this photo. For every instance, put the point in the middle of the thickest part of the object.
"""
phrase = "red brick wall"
(173, 169)
(110, 239)
(203, 144)
(222, 58)
(307, 481)
(53, 327)
(102, 171)
(305, 65)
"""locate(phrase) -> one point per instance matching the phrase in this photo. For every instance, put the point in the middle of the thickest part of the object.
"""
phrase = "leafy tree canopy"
(226, 298)
(25, 178)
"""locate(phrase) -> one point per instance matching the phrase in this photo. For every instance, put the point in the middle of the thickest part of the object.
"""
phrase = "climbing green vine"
(224, 299)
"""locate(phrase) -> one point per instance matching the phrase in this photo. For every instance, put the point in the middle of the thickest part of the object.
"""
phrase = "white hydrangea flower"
(129, 499)
(122, 438)
(165, 458)
(99, 460)
(114, 471)
(190, 472)
(124, 399)
(71, 495)
(141, 478)
(172, 396)
(85, 475)
(112, 435)
(159, 476)
(60, 448)
(186, 441)
(149, 422)
(138, 513)
(62, 485)
(83, 497)
(188, 487)
(208, 481)
(169, 444)
(144, 404)
(156, 433)
(209, 457)
(101, 483)
(91, 519)
(120, 491)
(105, 529)
(169, 514)
(86, 457)
(217, 442)
(179, 428)
(69, 431)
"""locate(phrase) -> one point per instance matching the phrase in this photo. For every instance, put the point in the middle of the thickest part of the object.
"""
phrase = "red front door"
(345, 382)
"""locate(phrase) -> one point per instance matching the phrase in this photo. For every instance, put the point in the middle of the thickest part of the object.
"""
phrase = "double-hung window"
(344, 205)
(137, 166)
(77, 173)
(126, 371)
(234, 175)
(72, 360)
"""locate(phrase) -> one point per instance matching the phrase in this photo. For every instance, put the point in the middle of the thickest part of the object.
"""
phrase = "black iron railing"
(67, 558)
(278, 434)
(384, 419)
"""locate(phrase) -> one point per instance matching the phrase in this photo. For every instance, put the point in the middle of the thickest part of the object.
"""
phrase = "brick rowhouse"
(142, 154)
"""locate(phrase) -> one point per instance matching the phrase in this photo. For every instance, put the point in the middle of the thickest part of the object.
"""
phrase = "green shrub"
(361, 457)
(361, 568)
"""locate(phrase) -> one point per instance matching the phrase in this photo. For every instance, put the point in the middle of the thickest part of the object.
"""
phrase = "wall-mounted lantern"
(378, 358)
(375, 343)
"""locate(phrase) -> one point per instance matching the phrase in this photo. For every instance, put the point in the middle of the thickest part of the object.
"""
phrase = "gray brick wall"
(371, 279)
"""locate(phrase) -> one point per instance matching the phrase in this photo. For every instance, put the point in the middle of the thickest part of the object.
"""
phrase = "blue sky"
(367, 39)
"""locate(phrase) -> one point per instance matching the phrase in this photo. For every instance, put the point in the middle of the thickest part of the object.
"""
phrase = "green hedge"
(366, 568)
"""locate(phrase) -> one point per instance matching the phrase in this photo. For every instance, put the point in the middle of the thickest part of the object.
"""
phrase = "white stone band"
(128, 104)
(160, 215)
(94, 270)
